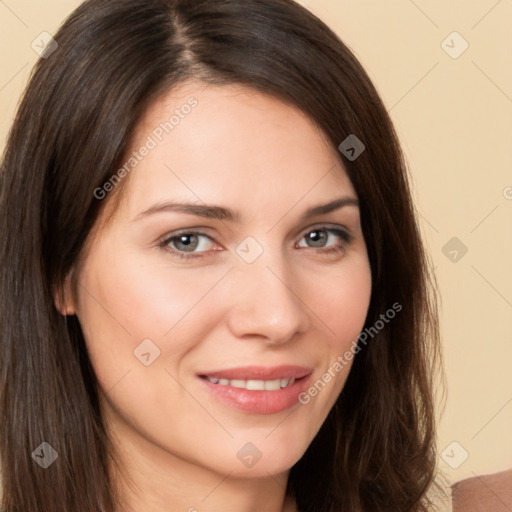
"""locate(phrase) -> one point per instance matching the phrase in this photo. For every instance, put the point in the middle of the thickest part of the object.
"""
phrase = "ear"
(63, 297)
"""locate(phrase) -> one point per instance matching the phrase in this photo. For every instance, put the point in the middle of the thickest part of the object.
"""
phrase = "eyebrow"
(223, 213)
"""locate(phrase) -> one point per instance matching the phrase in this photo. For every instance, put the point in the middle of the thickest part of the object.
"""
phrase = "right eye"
(188, 244)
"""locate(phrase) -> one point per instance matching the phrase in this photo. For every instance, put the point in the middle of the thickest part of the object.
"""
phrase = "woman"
(214, 292)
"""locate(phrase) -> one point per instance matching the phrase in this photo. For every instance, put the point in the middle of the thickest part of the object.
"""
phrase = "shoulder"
(483, 493)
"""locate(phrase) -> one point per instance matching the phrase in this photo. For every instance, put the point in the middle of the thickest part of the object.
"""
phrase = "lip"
(260, 372)
(260, 401)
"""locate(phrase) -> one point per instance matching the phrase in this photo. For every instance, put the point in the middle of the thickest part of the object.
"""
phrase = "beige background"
(454, 117)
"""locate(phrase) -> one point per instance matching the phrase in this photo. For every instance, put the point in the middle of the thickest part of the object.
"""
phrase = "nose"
(264, 303)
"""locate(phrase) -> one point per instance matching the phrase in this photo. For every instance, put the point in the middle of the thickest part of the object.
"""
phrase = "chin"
(263, 468)
(262, 458)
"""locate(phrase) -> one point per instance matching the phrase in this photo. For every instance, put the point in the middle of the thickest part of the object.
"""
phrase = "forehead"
(229, 145)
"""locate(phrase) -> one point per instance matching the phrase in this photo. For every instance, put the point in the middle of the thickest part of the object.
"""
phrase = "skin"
(295, 304)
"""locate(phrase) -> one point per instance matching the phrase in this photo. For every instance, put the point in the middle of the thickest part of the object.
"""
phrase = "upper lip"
(260, 372)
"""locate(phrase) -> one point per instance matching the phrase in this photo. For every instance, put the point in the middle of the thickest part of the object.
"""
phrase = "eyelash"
(345, 236)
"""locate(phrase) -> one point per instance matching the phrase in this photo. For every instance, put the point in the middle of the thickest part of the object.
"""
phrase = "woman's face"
(256, 292)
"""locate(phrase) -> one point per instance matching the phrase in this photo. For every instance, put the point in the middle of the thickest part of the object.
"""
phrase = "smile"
(257, 389)
(254, 385)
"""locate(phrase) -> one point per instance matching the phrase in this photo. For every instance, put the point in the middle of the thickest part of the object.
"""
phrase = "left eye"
(321, 236)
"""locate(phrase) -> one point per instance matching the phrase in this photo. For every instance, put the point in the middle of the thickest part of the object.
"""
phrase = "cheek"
(124, 300)
(342, 302)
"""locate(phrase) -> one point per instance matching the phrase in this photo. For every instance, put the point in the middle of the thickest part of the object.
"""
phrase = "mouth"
(252, 384)
(257, 389)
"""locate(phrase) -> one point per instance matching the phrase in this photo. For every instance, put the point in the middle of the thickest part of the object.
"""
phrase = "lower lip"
(258, 402)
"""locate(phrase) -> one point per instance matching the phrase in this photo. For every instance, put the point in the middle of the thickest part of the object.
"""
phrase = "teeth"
(253, 385)
(272, 385)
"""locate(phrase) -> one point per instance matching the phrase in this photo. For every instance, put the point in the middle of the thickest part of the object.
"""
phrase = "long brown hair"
(376, 450)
